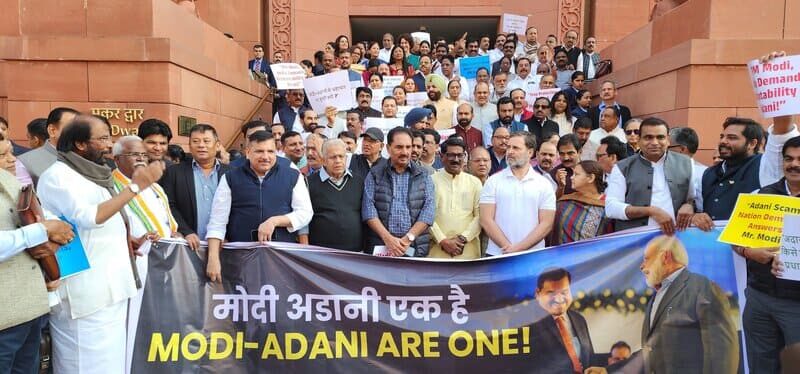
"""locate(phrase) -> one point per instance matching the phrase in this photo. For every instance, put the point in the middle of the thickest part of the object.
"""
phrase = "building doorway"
(451, 28)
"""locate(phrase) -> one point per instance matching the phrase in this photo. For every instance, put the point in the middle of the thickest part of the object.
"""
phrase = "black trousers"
(19, 347)
(770, 324)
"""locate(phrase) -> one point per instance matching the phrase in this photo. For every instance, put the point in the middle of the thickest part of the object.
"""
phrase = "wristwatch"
(134, 188)
(410, 237)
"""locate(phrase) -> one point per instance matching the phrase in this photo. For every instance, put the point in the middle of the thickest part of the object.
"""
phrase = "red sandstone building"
(157, 58)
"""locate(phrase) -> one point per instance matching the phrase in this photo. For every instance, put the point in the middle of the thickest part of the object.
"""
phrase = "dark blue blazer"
(264, 69)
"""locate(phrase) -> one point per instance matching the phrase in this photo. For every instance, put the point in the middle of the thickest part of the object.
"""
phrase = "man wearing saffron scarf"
(88, 326)
(148, 214)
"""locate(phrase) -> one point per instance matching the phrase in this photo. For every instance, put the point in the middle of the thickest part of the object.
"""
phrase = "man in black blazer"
(539, 124)
(261, 64)
(608, 95)
(550, 353)
(180, 184)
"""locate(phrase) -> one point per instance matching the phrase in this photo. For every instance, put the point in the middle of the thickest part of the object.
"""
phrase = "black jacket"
(178, 184)
(594, 114)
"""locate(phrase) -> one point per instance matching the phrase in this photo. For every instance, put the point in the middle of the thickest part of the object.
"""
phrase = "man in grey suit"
(687, 326)
(35, 162)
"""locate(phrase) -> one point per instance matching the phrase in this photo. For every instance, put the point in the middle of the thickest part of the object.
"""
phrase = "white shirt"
(296, 126)
(482, 115)
(599, 133)
(332, 132)
(660, 195)
(16, 241)
(589, 151)
(384, 54)
(517, 204)
(771, 168)
(109, 280)
(527, 84)
(221, 208)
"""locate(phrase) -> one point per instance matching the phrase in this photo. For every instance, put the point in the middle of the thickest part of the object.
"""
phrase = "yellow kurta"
(457, 213)
(445, 113)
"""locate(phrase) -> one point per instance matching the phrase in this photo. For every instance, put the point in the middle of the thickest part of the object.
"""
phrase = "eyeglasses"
(631, 132)
(541, 106)
(501, 137)
(598, 155)
(136, 155)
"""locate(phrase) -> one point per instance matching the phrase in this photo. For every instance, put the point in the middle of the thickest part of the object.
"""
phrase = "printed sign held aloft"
(420, 36)
(391, 81)
(790, 247)
(329, 90)
(384, 124)
(468, 66)
(776, 84)
(415, 99)
(515, 23)
(288, 76)
(531, 96)
(757, 220)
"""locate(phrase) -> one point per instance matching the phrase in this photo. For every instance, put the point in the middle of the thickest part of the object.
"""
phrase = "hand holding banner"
(776, 84)
(758, 220)
(288, 76)
(329, 90)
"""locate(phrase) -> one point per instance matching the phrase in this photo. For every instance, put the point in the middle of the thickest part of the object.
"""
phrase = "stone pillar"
(570, 17)
(280, 35)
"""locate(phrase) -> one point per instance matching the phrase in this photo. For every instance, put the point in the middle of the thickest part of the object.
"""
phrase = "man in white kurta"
(88, 326)
(149, 218)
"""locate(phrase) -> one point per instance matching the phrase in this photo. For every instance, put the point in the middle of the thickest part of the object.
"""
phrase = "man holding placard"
(771, 316)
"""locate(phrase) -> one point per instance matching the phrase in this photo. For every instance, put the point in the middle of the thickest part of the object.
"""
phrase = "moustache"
(138, 164)
(792, 169)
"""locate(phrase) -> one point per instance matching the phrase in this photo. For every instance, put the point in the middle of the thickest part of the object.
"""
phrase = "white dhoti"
(135, 305)
(91, 344)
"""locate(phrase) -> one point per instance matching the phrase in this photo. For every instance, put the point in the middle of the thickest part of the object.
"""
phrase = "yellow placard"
(757, 220)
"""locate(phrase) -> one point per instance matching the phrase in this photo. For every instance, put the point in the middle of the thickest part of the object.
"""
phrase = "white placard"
(445, 133)
(382, 251)
(391, 81)
(515, 23)
(384, 124)
(420, 36)
(530, 97)
(329, 90)
(776, 85)
(288, 76)
(402, 110)
(790, 247)
(416, 99)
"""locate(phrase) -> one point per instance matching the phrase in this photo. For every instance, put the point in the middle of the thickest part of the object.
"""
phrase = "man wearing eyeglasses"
(288, 115)
(456, 229)
(148, 215)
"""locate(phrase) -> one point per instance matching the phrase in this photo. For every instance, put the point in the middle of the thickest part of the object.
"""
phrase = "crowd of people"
(473, 172)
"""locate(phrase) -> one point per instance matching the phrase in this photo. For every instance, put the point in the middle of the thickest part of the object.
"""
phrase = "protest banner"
(415, 99)
(790, 247)
(515, 23)
(757, 220)
(445, 133)
(531, 96)
(420, 36)
(392, 81)
(776, 84)
(288, 76)
(468, 66)
(329, 90)
(384, 124)
(402, 110)
(293, 308)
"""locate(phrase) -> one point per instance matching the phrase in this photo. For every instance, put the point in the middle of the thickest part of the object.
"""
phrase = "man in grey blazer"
(688, 326)
(35, 162)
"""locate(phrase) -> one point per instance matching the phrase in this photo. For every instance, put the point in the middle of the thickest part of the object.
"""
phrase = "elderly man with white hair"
(336, 198)
(149, 217)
